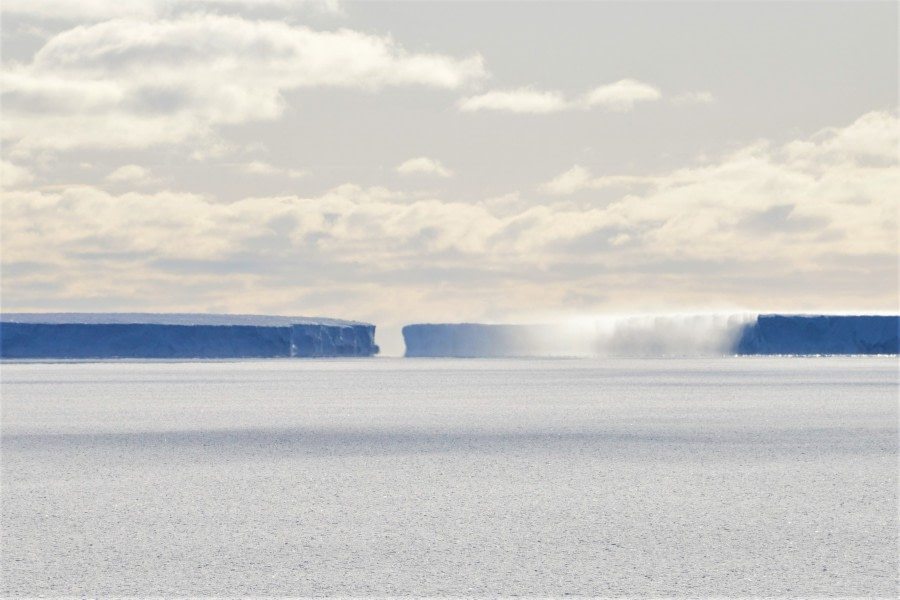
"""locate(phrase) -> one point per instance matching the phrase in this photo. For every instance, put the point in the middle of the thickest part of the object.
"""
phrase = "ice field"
(656, 477)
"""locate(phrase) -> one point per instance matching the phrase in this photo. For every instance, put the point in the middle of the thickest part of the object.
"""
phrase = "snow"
(170, 319)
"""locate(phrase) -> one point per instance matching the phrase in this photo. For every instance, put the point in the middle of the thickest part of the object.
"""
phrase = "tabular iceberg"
(143, 335)
(662, 336)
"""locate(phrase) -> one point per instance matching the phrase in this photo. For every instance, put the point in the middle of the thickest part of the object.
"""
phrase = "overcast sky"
(449, 161)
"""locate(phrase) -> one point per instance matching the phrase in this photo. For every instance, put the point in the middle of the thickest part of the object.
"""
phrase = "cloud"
(688, 98)
(619, 96)
(578, 178)
(12, 175)
(830, 193)
(424, 166)
(870, 141)
(816, 218)
(575, 179)
(131, 174)
(130, 83)
(521, 100)
(258, 167)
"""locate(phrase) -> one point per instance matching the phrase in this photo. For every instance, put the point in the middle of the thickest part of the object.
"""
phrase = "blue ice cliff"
(662, 336)
(825, 334)
(141, 335)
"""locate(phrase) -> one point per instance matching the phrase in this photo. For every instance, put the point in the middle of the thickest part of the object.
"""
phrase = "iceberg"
(147, 335)
(705, 335)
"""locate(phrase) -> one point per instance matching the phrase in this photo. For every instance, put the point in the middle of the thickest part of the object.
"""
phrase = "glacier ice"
(148, 335)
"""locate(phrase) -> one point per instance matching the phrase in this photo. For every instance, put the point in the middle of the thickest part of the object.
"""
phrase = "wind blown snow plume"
(662, 336)
(669, 335)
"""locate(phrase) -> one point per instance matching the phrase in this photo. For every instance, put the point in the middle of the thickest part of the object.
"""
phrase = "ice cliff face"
(662, 336)
(86, 335)
(827, 334)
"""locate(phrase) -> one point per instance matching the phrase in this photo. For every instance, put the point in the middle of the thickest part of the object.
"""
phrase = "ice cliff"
(825, 334)
(141, 335)
(661, 336)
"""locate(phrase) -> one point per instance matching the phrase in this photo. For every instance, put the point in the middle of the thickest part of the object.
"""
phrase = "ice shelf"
(147, 335)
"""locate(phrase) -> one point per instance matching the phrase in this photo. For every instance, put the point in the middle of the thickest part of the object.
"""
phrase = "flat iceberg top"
(169, 319)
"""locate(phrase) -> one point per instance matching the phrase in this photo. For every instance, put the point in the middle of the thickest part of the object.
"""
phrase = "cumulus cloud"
(12, 175)
(424, 166)
(520, 100)
(579, 178)
(818, 216)
(258, 167)
(575, 179)
(135, 83)
(833, 192)
(620, 96)
(131, 174)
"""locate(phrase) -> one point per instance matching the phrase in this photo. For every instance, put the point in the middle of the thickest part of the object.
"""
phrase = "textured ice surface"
(732, 477)
(703, 335)
(144, 335)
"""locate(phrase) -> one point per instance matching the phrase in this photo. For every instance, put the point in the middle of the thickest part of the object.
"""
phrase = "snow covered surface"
(743, 477)
(170, 319)
(142, 335)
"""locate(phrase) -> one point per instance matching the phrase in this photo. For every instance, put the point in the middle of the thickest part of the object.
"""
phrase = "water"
(726, 477)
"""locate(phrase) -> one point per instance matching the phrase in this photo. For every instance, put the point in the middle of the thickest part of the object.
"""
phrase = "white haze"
(641, 335)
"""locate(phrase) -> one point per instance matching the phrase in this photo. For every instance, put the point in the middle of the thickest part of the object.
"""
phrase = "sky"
(405, 162)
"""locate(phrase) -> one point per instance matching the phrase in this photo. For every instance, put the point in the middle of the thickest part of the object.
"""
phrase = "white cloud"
(521, 100)
(688, 98)
(258, 167)
(818, 215)
(131, 174)
(871, 140)
(12, 175)
(833, 193)
(135, 83)
(575, 179)
(424, 166)
(622, 95)
(578, 178)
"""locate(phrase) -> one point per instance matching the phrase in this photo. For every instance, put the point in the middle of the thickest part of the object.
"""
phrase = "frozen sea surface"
(724, 477)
